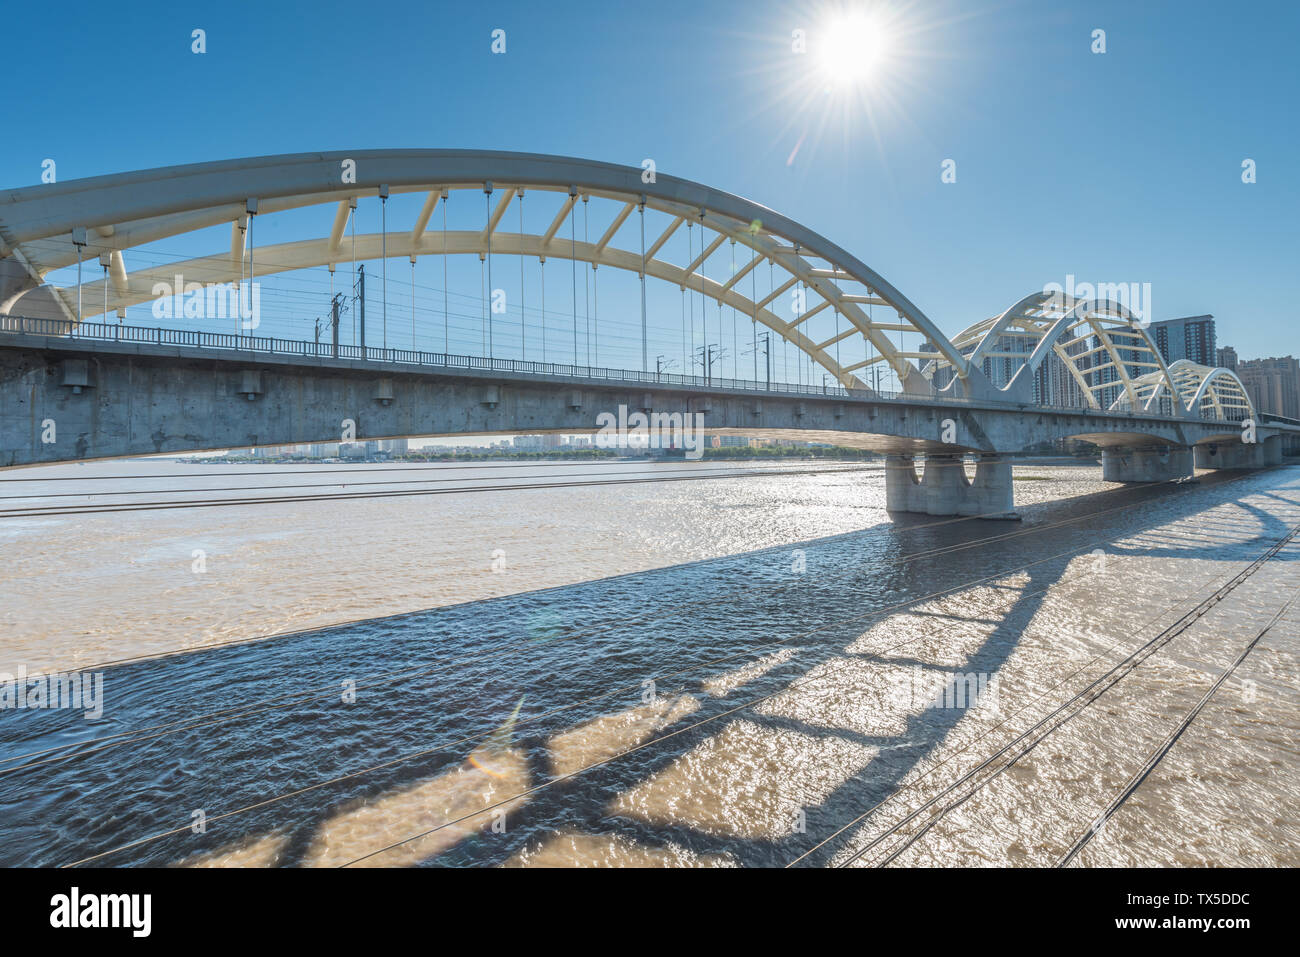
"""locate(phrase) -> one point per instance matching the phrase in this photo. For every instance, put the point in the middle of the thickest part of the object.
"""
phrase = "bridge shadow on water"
(896, 754)
(768, 669)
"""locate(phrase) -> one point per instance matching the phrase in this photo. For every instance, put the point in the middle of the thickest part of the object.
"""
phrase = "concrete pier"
(1154, 464)
(944, 489)
(1240, 455)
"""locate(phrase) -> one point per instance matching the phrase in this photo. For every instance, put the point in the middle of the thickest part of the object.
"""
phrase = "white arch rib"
(136, 208)
(1195, 385)
(1054, 324)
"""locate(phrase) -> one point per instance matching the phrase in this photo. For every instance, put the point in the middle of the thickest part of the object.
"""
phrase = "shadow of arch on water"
(897, 754)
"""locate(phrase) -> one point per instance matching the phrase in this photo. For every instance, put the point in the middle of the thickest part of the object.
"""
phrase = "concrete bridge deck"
(111, 392)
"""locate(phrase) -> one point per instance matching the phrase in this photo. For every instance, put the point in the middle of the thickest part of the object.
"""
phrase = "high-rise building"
(1226, 357)
(1273, 384)
(1191, 337)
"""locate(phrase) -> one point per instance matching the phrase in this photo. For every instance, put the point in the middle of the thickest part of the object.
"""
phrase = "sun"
(855, 69)
(852, 48)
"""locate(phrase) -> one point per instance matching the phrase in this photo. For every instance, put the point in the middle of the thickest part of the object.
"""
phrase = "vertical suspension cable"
(446, 312)
(901, 384)
(243, 252)
(690, 257)
(482, 292)
(735, 341)
(871, 346)
(487, 208)
(586, 285)
(704, 306)
(180, 292)
(753, 298)
(721, 338)
(523, 318)
(595, 313)
(542, 268)
(413, 348)
(838, 368)
(801, 298)
(251, 217)
(645, 354)
(383, 280)
(573, 262)
(352, 225)
(771, 285)
(686, 370)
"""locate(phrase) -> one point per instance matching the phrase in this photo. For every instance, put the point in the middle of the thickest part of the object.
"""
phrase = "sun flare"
(852, 49)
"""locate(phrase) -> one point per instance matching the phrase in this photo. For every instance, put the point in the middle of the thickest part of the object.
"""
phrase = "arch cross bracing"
(49, 227)
(1098, 341)
(1204, 391)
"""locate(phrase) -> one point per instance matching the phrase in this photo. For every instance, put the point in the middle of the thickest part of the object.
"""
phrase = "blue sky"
(1115, 167)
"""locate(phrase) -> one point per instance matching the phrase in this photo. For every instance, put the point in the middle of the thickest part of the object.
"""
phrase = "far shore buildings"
(1273, 384)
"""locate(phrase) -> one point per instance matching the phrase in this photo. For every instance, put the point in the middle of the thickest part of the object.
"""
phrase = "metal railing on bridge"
(266, 345)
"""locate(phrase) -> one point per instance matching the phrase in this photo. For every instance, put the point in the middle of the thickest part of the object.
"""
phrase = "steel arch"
(1053, 323)
(1197, 386)
(118, 212)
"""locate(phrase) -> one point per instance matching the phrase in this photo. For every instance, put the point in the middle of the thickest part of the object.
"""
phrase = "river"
(595, 663)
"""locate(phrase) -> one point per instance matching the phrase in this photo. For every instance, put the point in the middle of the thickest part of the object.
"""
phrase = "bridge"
(76, 385)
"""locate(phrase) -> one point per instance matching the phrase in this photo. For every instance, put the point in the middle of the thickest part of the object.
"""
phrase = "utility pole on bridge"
(361, 305)
(335, 307)
(707, 354)
(766, 339)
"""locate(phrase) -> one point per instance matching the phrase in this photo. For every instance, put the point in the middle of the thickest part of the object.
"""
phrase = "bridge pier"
(1240, 455)
(943, 488)
(1156, 464)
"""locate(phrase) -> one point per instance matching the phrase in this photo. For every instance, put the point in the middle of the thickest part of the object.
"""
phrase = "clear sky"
(1123, 166)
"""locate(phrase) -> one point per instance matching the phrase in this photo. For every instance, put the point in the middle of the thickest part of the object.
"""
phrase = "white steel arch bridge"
(1103, 348)
(1047, 368)
(50, 227)
(849, 309)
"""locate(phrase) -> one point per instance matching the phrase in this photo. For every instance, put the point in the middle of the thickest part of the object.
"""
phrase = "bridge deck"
(155, 341)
